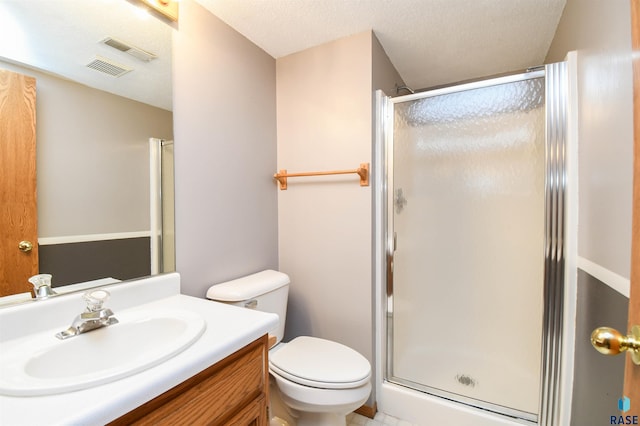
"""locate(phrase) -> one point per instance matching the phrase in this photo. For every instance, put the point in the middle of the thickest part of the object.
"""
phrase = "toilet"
(313, 381)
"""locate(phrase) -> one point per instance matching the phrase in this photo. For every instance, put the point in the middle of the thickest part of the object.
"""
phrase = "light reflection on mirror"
(93, 131)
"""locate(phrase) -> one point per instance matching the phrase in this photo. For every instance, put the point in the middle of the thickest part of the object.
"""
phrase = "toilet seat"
(320, 363)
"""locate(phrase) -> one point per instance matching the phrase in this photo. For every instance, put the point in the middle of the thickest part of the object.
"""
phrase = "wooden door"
(632, 372)
(18, 209)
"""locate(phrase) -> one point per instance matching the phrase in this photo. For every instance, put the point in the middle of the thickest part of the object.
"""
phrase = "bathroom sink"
(41, 364)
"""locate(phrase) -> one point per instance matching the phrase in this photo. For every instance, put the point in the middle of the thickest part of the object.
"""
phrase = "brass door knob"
(609, 341)
(25, 246)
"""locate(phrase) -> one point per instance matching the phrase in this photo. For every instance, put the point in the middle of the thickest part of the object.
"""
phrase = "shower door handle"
(390, 258)
(609, 341)
(389, 274)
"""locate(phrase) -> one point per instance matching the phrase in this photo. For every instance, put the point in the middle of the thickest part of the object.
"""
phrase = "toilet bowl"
(313, 381)
(320, 381)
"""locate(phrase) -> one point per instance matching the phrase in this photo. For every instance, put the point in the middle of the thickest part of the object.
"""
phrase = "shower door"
(468, 195)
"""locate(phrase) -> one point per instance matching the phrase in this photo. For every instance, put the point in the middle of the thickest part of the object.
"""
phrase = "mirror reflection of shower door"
(467, 208)
(162, 222)
(168, 203)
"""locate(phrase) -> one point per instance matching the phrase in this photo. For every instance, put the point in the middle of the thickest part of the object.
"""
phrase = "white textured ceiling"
(430, 42)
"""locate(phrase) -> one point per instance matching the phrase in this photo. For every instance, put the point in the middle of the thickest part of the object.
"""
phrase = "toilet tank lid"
(248, 287)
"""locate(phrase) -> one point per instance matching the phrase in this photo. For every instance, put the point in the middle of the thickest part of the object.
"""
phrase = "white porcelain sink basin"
(41, 364)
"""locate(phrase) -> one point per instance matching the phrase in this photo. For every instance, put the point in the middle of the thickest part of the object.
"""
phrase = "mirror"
(102, 141)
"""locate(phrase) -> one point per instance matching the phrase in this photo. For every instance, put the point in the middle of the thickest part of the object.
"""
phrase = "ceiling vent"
(108, 66)
(134, 51)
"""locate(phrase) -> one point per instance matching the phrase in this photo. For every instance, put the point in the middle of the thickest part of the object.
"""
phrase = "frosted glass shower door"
(468, 270)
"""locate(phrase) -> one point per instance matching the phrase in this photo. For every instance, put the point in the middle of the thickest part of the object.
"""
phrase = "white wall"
(225, 152)
(325, 122)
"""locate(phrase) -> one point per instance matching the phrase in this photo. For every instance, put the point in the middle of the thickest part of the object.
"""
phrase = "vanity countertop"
(228, 328)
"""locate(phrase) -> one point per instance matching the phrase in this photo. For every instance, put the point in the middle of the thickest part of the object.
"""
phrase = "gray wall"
(225, 152)
(121, 259)
(598, 379)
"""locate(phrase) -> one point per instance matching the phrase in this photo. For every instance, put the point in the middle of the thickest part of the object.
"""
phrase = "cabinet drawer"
(213, 396)
(254, 414)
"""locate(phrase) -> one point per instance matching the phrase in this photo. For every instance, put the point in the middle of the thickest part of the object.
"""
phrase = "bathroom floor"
(380, 419)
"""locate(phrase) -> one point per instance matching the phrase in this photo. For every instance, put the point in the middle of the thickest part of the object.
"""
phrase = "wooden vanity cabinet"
(230, 392)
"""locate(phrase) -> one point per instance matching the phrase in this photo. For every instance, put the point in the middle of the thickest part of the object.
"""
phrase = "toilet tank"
(265, 291)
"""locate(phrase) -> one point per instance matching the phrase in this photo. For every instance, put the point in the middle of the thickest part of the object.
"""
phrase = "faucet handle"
(95, 299)
(42, 286)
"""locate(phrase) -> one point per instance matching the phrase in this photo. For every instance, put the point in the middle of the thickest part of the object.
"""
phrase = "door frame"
(632, 372)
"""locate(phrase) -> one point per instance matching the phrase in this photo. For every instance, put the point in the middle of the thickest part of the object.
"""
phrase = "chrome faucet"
(42, 286)
(95, 316)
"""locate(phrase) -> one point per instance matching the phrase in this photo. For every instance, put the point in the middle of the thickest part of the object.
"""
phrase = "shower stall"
(472, 244)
